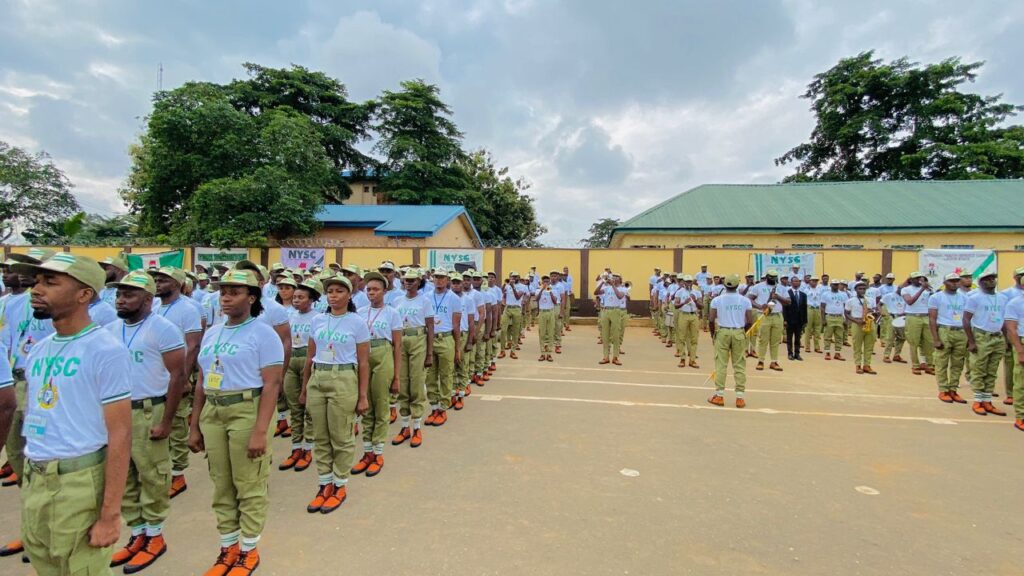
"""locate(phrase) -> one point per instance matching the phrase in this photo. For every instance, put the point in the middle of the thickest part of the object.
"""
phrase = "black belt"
(951, 327)
(154, 401)
(230, 399)
(69, 465)
(299, 352)
(332, 367)
(986, 332)
(414, 331)
(378, 342)
(18, 373)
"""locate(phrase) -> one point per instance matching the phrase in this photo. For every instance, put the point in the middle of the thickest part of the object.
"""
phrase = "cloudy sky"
(607, 107)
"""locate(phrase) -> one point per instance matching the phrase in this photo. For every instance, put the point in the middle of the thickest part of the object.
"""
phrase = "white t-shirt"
(514, 294)
(886, 289)
(731, 310)
(109, 295)
(703, 279)
(813, 295)
(147, 342)
(921, 305)
(444, 306)
(301, 325)
(762, 294)
(21, 331)
(683, 295)
(988, 311)
(464, 316)
(269, 291)
(336, 337)
(856, 308)
(610, 300)
(894, 304)
(360, 299)
(480, 301)
(547, 299)
(835, 302)
(102, 313)
(414, 311)
(70, 379)
(1015, 312)
(237, 354)
(381, 322)
(6, 379)
(653, 281)
(273, 314)
(182, 314)
(950, 308)
(393, 295)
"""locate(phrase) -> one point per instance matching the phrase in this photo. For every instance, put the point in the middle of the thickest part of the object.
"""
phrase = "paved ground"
(825, 472)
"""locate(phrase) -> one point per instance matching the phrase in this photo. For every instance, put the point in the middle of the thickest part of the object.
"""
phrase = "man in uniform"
(157, 351)
(77, 425)
(483, 331)
(687, 302)
(984, 314)
(894, 317)
(916, 292)
(769, 299)
(467, 329)
(569, 295)
(704, 283)
(447, 343)
(613, 302)
(945, 320)
(729, 319)
(115, 269)
(512, 317)
(1015, 332)
(812, 332)
(860, 312)
(833, 314)
(1011, 294)
(547, 305)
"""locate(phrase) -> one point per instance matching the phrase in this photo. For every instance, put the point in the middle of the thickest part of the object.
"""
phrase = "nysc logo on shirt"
(225, 349)
(56, 366)
(339, 337)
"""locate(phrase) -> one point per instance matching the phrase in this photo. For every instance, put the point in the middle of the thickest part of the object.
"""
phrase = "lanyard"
(330, 333)
(128, 344)
(437, 305)
(370, 323)
(234, 330)
(169, 306)
(51, 358)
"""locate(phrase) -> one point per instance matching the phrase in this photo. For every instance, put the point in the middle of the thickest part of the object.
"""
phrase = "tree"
(600, 233)
(903, 121)
(33, 191)
(501, 210)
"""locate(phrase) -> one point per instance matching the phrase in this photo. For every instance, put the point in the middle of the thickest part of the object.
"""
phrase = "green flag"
(175, 258)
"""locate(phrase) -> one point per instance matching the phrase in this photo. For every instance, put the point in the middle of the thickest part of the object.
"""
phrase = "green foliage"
(33, 191)
(903, 121)
(501, 210)
(600, 233)
(84, 230)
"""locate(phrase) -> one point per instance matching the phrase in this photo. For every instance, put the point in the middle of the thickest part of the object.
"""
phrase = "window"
(907, 247)
(695, 246)
(1019, 247)
(848, 246)
(958, 246)
(366, 189)
(648, 246)
(737, 245)
(373, 189)
(807, 246)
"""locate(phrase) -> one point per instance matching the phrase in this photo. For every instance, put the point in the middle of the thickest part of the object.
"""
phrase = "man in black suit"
(795, 315)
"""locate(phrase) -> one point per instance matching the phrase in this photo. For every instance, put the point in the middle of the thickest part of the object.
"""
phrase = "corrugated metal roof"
(394, 219)
(906, 206)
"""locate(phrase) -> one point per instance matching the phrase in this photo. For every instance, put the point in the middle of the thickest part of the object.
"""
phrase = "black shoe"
(799, 358)
(791, 357)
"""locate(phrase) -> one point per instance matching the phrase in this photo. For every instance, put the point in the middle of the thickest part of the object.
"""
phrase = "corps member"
(861, 314)
(687, 302)
(115, 268)
(613, 301)
(336, 378)
(548, 305)
(769, 299)
(157, 352)
(467, 330)
(385, 328)
(447, 342)
(512, 316)
(894, 332)
(984, 315)
(240, 365)
(915, 293)
(417, 355)
(301, 317)
(812, 332)
(729, 316)
(946, 323)
(1015, 333)
(833, 313)
(78, 425)
(1011, 294)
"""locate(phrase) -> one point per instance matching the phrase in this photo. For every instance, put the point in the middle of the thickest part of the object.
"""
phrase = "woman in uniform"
(301, 317)
(417, 355)
(240, 363)
(335, 380)
(286, 290)
(385, 326)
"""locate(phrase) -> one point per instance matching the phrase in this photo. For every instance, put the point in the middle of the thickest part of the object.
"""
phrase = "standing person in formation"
(833, 314)
(525, 301)
(417, 355)
(729, 319)
(657, 299)
(743, 290)
(946, 324)
(1015, 333)
(652, 283)
(336, 379)
(812, 331)
(385, 327)
(687, 302)
(157, 371)
(467, 330)
(916, 293)
(240, 365)
(300, 319)
(1011, 294)
(704, 283)
(497, 304)
(171, 305)
(77, 424)
(512, 321)
(570, 294)
(895, 309)
(559, 288)
(447, 344)
(477, 302)
(613, 302)
(547, 301)
(669, 310)
(115, 269)
(861, 314)
(984, 315)
(286, 286)
(483, 330)
(795, 315)
(770, 299)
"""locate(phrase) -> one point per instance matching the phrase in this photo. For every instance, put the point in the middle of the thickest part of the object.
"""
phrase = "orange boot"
(304, 461)
(133, 547)
(225, 560)
(178, 485)
(394, 414)
(246, 564)
(154, 549)
(417, 438)
(375, 466)
(317, 502)
(291, 460)
(334, 500)
(11, 548)
(363, 463)
(403, 435)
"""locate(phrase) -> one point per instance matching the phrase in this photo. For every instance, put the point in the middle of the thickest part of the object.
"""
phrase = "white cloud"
(109, 71)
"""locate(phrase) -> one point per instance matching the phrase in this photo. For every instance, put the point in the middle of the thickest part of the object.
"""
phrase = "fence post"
(497, 263)
(886, 261)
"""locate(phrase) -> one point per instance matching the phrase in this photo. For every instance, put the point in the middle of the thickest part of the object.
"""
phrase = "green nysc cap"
(176, 274)
(732, 280)
(336, 279)
(115, 261)
(238, 278)
(81, 268)
(34, 255)
(137, 279)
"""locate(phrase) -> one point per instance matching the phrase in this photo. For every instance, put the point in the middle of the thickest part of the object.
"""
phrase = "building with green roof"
(898, 215)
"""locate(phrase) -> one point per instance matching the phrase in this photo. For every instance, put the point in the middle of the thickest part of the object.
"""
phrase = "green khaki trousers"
(985, 361)
(559, 325)
(833, 333)
(240, 496)
(812, 332)
(301, 421)
(378, 394)
(949, 361)
(331, 397)
(546, 330)
(659, 321)
(611, 331)
(178, 439)
(412, 390)
(705, 311)
(1009, 373)
(494, 346)
(512, 319)
(770, 335)
(894, 341)
(482, 361)
(464, 369)
(441, 374)
(670, 324)
(1018, 388)
(863, 345)
(687, 328)
(919, 337)
(730, 348)
(146, 499)
(57, 512)
(15, 444)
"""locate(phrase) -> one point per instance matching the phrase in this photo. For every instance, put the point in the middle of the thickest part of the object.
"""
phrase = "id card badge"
(214, 380)
(34, 427)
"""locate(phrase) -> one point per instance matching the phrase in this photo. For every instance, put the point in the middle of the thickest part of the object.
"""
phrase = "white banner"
(209, 257)
(457, 260)
(783, 264)
(937, 263)
(302, 258)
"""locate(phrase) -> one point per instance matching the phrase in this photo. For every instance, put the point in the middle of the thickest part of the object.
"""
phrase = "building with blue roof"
(398, 225)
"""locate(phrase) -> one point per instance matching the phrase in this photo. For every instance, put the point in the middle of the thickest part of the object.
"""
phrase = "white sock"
(739, 395)
(230, 539)
(282, 415)
(339, 482)
(378, 449)
(249, 543)
(307, 446)
(367, 446)
(324, 479)
(296, 446)
(138, 530)
(154, 530)
(416, 423)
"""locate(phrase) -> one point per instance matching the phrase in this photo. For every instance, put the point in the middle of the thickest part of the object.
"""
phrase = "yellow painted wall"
(1008, 262)
(370, 258)
(903, 263)
(980, 241)
(520, 260)
(455, 234)
(99, 253)
(720, 262)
